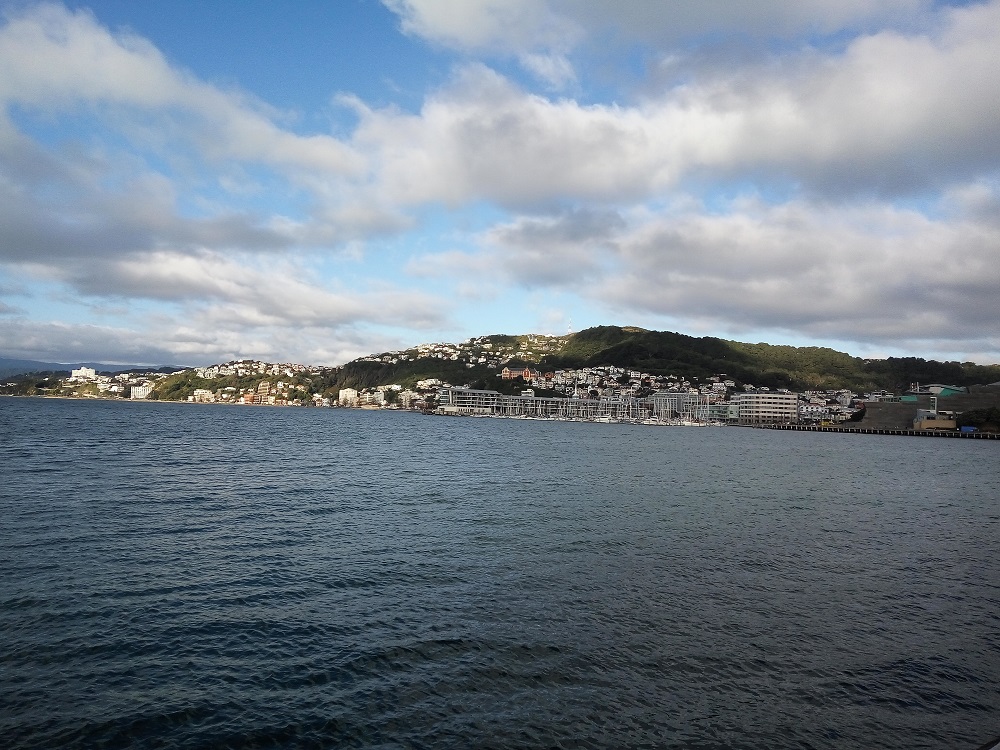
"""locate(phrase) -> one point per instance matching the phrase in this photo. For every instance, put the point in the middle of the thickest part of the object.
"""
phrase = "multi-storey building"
(767, 407)
(671, 404)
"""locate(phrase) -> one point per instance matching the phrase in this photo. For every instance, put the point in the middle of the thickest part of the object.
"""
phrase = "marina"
(680, 409)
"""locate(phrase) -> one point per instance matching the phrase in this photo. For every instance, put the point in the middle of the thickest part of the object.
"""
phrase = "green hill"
(660, 353)
(667, 353)
(799, 368)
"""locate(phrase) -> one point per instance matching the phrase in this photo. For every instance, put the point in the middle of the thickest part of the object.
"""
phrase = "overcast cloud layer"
(803, 172)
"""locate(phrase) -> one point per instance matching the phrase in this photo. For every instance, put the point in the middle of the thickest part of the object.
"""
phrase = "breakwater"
(882, 431)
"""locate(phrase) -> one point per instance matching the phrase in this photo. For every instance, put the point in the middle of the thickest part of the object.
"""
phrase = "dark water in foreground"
(197, 576)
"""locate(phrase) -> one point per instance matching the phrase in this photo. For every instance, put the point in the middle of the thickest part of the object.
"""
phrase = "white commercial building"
(767, 407)
(673, 404)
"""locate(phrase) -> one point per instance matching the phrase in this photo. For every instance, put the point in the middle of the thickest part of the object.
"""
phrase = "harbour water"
(189, 576)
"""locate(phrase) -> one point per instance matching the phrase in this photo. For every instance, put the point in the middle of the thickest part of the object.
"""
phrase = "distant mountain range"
(13, 367)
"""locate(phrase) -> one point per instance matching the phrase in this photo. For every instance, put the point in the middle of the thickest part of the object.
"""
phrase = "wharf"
(883, 431)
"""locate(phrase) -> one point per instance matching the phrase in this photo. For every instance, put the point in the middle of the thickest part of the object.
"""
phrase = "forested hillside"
(800, 368)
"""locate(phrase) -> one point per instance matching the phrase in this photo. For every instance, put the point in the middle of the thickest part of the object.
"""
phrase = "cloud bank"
(822, 171)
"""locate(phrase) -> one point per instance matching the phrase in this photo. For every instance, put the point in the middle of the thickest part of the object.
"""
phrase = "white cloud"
(477, 25)
(147, 157)
(558, 251)
(54, 60)
(483, 138)
(241, 290)
(211, 308)
(535, 252)
(891, 114)
(670, 22)
(555, 70)
(872, 274)
(164, 341)
(869, 273)
(70, 342)
(146, 221)
(154, 188)
(532, 30)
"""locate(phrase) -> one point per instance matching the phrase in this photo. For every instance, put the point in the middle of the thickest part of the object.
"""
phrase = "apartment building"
(767, 407)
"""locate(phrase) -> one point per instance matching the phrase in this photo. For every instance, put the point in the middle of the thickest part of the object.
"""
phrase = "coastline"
(861, 430)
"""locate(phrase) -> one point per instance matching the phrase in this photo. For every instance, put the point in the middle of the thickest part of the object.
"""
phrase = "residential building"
(671, 404)
(767, 407)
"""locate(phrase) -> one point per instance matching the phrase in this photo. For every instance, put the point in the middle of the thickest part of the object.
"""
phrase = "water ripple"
(268, 578)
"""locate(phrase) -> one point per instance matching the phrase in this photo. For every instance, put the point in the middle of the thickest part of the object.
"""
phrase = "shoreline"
(786, 427)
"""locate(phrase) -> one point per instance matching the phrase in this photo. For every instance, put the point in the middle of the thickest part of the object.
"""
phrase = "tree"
(984, 420)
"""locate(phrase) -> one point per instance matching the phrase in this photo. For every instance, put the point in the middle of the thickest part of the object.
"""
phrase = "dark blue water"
(198, 576)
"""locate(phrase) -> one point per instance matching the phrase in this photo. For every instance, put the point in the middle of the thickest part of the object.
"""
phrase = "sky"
(194, 181)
